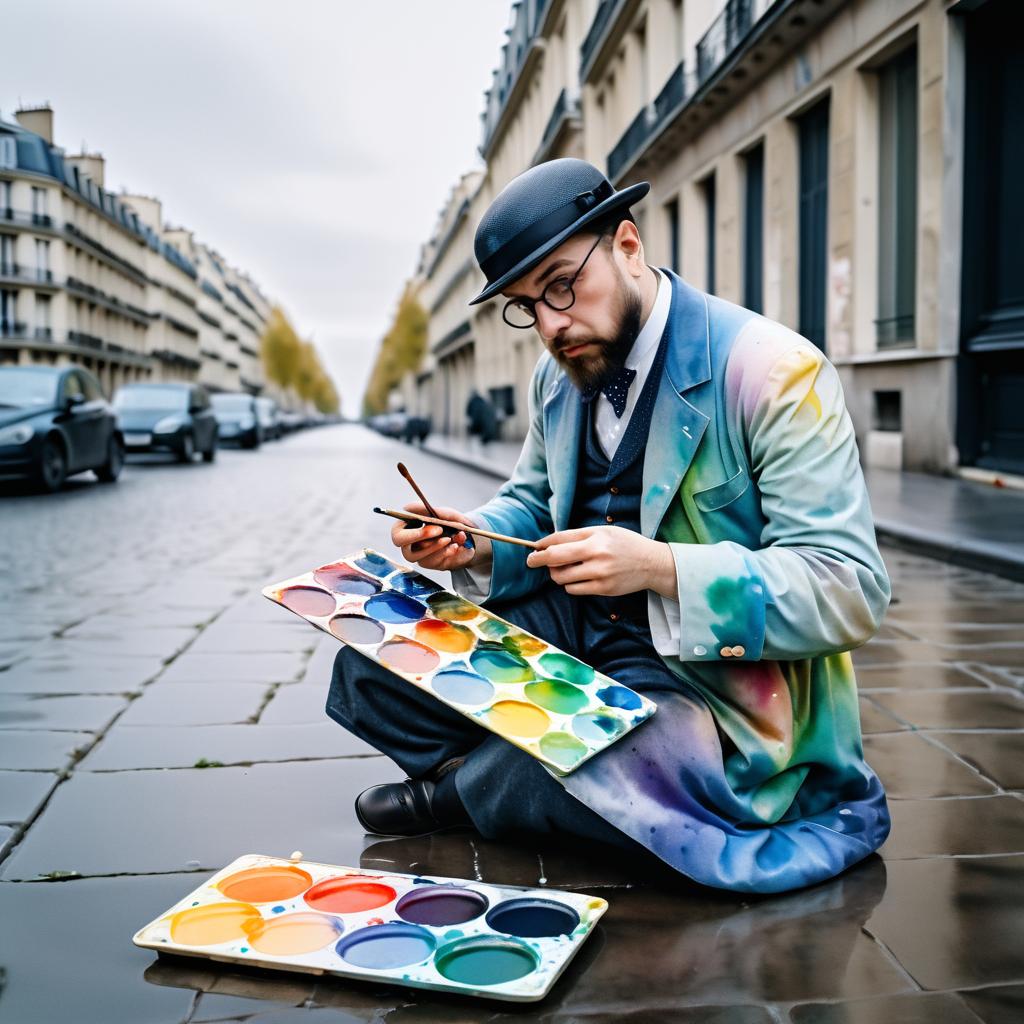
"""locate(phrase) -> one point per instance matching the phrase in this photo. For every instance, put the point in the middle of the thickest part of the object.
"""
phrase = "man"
(692, 475)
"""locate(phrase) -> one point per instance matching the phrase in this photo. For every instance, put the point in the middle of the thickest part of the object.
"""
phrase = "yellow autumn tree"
(293, 364)
(401, 349)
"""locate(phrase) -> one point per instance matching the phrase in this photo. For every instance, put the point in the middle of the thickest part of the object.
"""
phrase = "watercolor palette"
(549, 703)
(450, 934)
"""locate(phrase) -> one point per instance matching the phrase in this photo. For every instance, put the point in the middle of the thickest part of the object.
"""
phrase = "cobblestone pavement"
(134, 646)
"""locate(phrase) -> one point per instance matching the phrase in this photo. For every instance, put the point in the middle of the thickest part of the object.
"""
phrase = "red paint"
(349, 894)
(408, 656)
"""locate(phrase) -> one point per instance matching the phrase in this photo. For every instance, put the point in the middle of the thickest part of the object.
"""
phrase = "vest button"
(609, 519)
(614, 616)
(613, 489)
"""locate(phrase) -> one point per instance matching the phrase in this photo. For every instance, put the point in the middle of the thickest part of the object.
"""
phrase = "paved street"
(135, 648)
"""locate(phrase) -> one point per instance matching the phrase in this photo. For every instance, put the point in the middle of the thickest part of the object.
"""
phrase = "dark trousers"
(506, 793)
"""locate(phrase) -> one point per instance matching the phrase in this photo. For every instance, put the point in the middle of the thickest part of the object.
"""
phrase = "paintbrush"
(412, 517)
(426, 504)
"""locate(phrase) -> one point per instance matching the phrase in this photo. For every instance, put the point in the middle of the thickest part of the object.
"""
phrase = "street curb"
(467, 462)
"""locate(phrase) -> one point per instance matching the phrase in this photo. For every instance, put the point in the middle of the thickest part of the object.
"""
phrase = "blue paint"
(619, 697)
(278, 910)
(595, 726)
(412, 584)
(531, 918)
(462, 685)
(394, 607)
(377, 564)
(385, 946)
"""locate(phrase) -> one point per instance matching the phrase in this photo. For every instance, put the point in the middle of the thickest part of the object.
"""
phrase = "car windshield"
(232, 403)
(151, 398)
(27, 388)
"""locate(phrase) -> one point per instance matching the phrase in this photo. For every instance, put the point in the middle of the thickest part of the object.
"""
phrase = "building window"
(8, 151)
(38, 203)
(44, 323)
(8, 312)
(707, 187)
(7, 255)
(753, 230)
(672, 222)
(43, 259)
(897, 199)
(813, 247)
(5, 199)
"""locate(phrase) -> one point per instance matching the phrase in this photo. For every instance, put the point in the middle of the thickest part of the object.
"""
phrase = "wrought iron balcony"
(647, 122)
(13, 329)
(727, 31)
(595, 33)
(631, 142)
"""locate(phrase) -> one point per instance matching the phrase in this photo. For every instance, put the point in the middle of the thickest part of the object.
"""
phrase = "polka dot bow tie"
(616, 390)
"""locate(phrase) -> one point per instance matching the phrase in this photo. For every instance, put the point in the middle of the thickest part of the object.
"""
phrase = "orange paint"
(444, 636)
(292, 934)
(518, 719)
(265, 885)
(213, 923)
(349, 894)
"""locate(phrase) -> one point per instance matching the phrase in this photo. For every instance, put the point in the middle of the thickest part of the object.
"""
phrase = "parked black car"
(237, 418)
(54, 422)
(267, 414)
(167, 417)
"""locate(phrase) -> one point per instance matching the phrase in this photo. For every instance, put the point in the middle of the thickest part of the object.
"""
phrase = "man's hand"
(428, 547)
(607, 560)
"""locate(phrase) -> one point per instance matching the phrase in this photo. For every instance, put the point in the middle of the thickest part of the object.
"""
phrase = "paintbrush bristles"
(408, 476)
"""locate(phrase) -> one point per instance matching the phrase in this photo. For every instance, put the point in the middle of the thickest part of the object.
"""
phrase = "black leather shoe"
(398, 809)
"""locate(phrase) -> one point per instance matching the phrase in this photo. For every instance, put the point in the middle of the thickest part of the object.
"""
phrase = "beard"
(590, 373)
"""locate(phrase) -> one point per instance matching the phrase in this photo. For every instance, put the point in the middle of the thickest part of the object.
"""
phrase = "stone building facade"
(98, 279)
(843, 166)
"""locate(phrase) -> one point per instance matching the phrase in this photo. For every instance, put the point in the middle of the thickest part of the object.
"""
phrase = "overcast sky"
(312, 143)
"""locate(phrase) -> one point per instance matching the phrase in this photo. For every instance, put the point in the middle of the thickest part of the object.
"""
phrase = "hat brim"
(624, 198)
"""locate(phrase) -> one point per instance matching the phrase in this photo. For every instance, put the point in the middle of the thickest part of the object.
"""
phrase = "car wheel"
(111, 469)
(53, 465)
(188, 449)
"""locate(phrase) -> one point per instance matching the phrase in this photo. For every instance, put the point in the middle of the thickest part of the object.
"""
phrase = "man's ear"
(627, 241)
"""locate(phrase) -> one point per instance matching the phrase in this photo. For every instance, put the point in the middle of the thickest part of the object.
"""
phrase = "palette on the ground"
(503, 942)
(549, 703)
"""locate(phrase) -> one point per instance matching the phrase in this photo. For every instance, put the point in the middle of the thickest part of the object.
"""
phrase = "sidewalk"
(963, 522)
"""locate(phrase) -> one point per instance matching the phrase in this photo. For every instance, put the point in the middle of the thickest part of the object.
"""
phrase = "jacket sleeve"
(521, 508)
(817, 584)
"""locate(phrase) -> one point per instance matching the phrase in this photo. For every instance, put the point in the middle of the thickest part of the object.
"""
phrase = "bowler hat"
(537, 211)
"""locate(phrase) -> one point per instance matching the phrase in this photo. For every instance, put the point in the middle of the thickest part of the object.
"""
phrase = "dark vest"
(609, 492)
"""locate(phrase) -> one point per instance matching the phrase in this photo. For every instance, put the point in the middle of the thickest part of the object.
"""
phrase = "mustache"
(559, 349)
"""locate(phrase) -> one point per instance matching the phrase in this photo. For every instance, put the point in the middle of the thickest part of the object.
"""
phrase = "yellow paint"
(292, 934)
(803, 378)
(518, 719)
(213, 923)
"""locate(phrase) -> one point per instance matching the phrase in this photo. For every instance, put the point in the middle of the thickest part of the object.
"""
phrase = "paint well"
(598, 726)
(485, 961)
(408, 656)
(565, 666)
(213, 923)
(444, 636)
(556, 695)
(524, 645)
(385, 946)
(374, 563)
(308, 601)
(356, 629)
(562, 748)
(349, 894)
(439, 905)
(492, 629)
(452, 608)
(516, 718)
(343, 579)
(270, 884)
(294, 934)
(532, 918)
(413, 584)
(493, 662)
(393, 607)
(462, 686)
(620, 697)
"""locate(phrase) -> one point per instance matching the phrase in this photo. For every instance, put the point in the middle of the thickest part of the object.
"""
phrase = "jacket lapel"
(563, 418)
(676, 426)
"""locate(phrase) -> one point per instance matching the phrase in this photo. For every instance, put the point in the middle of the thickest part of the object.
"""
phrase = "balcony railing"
(13, 329)
(647, 122)
(43, 333)
(727, 31)
(632, 139)
(38, 220)
(595, 33)
(85, 340)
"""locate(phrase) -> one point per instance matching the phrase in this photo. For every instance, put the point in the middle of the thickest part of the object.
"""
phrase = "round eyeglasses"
(521, 312)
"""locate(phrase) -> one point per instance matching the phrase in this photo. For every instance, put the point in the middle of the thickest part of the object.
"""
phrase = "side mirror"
(73, 401)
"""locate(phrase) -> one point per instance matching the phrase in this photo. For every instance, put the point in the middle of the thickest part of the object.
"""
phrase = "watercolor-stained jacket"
(753, 778)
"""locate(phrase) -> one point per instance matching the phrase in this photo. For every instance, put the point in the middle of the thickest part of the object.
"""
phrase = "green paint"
(564, 666)
(563, 749)
(524, 645)
(487, 963)
(492, 629)
(738, 609)
(556, 695)
(493, 662)
(452, 608)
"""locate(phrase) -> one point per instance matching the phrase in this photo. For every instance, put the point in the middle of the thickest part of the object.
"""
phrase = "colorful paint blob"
(343, 579)
(493, 662)
(439, 905)
(213, 923)
(460, 684)
(392, 607)
(271, 884)
(452, 608)
(413, 584)
(620, 697)
(564, 666)
(294, 934)
(384, 946)
(532, 918)
(444, 636)
(308, 601)
(598, 726)
(485, 961)
(556, 695)
(374, 563)
(524, 645)
(408, 656)
(518, 719)
(349, 894)
(356, 629)
(492, 629)
(563, 748)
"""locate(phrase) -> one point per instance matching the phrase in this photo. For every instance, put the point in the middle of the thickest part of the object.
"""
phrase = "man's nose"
(550, 321)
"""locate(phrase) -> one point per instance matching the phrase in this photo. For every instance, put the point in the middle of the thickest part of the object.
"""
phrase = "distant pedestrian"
(483, 420)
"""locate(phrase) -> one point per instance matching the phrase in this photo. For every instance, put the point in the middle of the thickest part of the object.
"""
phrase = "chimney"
(91, 164)
(38, 120)
(147, 208)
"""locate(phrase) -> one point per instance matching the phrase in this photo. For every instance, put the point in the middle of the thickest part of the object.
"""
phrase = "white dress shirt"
(662, 612)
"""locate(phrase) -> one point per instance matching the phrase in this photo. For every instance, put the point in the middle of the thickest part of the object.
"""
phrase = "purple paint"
(441, 905)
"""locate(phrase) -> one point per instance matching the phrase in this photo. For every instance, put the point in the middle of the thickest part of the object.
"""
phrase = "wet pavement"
(158, 718)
